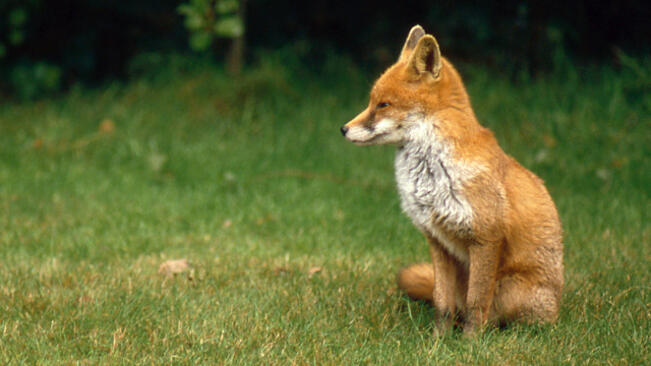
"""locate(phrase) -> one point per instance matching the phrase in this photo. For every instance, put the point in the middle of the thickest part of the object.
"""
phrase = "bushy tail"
(417, 281)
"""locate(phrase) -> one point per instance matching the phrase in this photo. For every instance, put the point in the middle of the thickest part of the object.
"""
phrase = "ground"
(293, 235)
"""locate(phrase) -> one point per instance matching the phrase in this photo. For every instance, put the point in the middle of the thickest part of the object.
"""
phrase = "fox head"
(418, 85)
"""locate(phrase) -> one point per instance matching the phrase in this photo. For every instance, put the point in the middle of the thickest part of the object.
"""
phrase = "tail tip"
(417, 281)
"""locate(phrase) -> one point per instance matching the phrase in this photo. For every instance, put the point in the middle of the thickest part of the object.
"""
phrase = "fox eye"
(383, 105)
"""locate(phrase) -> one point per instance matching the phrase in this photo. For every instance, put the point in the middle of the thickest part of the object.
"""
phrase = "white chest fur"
(430, 186)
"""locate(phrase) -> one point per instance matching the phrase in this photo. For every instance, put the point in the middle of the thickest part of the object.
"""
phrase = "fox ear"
(416, 33)
(426, 57)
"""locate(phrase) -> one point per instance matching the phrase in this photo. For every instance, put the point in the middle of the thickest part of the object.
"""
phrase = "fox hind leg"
(518, 300)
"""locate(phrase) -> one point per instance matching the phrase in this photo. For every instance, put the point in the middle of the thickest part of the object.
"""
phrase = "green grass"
(252, 183)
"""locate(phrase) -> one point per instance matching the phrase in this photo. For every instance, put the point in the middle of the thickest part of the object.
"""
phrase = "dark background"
(90, 42)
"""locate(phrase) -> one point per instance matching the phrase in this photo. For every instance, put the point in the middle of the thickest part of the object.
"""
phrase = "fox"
(494, 234)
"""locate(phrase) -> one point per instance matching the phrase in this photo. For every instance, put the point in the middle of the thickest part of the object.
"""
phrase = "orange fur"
(502, 258)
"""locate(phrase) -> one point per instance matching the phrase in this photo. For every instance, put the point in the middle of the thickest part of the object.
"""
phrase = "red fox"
(494, 235)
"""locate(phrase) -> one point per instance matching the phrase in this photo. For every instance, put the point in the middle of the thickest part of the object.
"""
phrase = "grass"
(294, 235)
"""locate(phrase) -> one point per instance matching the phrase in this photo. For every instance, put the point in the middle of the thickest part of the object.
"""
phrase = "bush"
(32, 80)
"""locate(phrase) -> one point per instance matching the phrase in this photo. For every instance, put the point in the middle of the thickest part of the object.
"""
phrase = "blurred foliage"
(27, 79)
(207, 20)
(30, 80)
(47, 46)
(15, 22)
(66, 42)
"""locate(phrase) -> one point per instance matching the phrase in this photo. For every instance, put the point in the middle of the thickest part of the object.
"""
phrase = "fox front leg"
(481, 285)
(445, 287)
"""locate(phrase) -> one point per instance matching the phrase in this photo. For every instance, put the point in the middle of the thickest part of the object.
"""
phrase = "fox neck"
(430, 182)
(456, 96)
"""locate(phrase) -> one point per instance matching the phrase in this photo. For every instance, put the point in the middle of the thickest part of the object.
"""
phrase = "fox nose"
(343, 130)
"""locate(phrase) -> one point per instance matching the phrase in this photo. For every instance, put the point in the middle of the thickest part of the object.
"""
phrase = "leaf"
(200, 41)
(549, 140)
(194, 21)
(173, 267)
(17, 17)
(38, 143)
(265, 219)
(107, 127)
(227, 6)
(16, 37)
(314, 270)
(185, 9)
(229, 26)
(48, 75)
(279, 270)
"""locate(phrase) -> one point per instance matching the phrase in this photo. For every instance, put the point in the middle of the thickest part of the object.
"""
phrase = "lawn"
(293, 235)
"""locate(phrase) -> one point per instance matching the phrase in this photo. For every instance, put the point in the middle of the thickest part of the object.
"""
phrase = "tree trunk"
(235, 56)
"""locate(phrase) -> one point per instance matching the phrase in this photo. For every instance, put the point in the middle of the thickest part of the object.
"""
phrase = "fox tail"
(417, 280)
